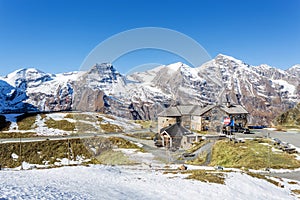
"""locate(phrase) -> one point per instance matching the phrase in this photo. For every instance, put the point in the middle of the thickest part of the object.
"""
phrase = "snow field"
(107, 182)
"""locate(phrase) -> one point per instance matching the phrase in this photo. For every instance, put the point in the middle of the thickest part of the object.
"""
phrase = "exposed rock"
(265, 91)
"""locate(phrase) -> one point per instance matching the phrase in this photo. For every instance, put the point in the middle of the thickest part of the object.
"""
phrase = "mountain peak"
(102, 68)
(176, 66)
(295, 67)
(25, 71)
(226, 57)
(101, 75)
(29, 75)
(294, 70)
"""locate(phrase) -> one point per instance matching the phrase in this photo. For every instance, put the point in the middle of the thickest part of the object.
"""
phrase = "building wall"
(187, 141)
(165, 121)
(212, 120)
(186, 121)
(196, 123)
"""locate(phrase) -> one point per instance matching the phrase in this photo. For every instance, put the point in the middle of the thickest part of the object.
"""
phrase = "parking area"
(291, 137)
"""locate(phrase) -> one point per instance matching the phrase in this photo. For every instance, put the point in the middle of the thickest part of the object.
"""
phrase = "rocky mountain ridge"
(264, 90)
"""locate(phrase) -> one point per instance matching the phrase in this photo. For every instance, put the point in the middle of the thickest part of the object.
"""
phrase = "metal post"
(68, 147)
(269, 152)
(21, 154)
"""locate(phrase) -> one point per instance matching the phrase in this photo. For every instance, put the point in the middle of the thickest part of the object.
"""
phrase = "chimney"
(227, 100)
(228, 104)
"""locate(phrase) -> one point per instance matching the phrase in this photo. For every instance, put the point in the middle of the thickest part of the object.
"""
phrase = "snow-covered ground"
(41, 129)
(107, 182)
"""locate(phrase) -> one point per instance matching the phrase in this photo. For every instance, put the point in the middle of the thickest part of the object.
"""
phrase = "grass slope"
(26, 121)
(60, 124)
(251, 154)
(40, 152)
(290, 118)
(50, 151)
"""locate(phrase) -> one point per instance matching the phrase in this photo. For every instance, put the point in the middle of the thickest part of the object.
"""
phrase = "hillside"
(61, 123)
(290, 118)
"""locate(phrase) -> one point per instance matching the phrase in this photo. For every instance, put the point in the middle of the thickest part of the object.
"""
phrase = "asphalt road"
(290, 137)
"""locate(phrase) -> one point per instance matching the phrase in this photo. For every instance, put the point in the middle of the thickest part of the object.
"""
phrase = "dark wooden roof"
(197, 110)
(170, 112)
(180, 110)
(202, 110)
(176, 131)
(234, 109)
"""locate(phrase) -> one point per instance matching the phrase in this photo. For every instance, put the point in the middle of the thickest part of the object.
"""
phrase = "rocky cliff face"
(290, 118)
(264, 91)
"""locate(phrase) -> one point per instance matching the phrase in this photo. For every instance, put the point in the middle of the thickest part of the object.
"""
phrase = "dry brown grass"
(206, 176)
(111, 128)
(122, 143)
(297, 192)
(17, 135)
(251, 155)
(26, 121)
(85, 127)
(260, 176)
(80, 116)
(293, 182)
(39, 152)
(200, 160)
(111, 157)
(142, 135)
(60, 124)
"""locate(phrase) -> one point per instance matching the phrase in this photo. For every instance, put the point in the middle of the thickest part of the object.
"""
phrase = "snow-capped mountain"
(28, 78)
(42, 91)
(264, 90)
(295, 70)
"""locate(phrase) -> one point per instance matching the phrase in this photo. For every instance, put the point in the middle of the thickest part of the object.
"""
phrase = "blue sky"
(55, 36)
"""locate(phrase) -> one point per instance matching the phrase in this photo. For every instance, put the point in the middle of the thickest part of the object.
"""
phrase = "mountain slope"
(264, 91)
(289, 118)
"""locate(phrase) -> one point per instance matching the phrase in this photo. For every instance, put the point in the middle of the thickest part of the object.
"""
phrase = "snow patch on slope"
(285, 86)
(106, 182)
